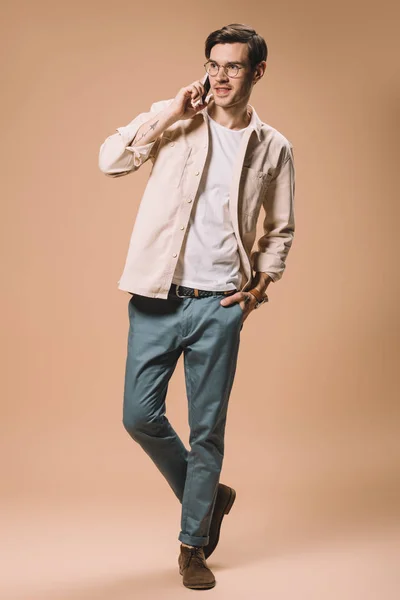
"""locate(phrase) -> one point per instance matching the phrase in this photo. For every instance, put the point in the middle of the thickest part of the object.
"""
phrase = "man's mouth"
(222, 91)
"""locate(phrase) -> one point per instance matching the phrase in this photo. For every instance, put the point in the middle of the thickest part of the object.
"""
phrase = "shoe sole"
(228, 506)
(230, 502)
(204, 586)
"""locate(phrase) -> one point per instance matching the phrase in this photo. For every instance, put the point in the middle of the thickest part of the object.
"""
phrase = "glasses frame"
(224, 67)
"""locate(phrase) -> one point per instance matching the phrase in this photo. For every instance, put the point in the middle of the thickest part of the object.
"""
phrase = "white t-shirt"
(209, 258)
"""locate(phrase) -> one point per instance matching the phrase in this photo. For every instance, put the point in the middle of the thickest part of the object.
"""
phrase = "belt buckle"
(176, 291)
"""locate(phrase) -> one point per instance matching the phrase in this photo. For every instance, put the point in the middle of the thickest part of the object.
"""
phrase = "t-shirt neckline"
(227, 128)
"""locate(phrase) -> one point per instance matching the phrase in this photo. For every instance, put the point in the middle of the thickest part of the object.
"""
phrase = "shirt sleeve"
(279, 224)
(117, 156)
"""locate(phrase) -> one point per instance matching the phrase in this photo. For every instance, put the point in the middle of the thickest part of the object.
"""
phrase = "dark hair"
(238, 32)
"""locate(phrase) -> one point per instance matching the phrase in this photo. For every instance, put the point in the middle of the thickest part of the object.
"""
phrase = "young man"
(190, 268)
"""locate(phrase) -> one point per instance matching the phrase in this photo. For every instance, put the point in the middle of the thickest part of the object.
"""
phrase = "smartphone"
(206, 82)
(207, 85)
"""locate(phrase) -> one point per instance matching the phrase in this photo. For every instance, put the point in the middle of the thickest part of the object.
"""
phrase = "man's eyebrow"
(231, 62)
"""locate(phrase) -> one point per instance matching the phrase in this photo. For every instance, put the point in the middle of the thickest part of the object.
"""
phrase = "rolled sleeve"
(117, 156)
(279, 224)
(140, 153)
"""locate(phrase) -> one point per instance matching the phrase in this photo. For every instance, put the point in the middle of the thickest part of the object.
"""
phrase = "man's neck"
(232, 119)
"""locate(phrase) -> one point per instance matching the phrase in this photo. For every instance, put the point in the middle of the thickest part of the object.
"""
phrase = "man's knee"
(135, 422)
(138, 421)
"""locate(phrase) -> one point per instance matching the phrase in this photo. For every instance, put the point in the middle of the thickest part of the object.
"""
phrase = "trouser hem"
(193, 540)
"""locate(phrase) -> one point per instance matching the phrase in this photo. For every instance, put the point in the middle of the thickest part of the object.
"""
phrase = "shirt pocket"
(253, 187)
(170, 161)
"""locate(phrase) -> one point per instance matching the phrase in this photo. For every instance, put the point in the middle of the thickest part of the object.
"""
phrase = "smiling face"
(238, 88)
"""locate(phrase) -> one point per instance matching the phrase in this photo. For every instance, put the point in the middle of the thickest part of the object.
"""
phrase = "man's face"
(240, 86)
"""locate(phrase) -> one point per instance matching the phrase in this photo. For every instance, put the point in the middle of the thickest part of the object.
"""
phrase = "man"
(189, 269)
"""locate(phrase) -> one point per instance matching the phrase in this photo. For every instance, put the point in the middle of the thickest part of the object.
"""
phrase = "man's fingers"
(231, 299)
(199, 86)
(239, 297)
(198, 90)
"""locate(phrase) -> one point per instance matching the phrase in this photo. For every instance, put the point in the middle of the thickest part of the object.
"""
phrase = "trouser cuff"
(193, 540)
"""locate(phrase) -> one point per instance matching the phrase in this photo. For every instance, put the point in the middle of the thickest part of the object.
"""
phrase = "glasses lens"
(211, 68)
(233, 71)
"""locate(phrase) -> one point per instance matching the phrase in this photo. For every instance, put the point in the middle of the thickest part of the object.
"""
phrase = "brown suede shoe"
(223, 504)
(193, 567)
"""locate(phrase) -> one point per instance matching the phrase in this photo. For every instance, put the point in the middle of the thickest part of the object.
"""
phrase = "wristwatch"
(259, 297)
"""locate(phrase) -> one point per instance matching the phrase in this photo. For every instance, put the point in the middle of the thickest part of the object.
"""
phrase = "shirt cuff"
(265, 262)
(140, 153)
(273, 276)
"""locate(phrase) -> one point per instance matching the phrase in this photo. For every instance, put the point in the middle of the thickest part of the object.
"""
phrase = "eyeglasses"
(231, 70)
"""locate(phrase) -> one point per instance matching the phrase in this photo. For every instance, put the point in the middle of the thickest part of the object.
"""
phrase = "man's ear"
(260, 71)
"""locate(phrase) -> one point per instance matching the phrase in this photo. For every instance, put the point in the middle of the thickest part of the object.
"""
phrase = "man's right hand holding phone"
(180, 108)
(182, 105)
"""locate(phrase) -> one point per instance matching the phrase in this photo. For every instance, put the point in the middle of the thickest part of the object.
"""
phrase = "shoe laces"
(197, 556)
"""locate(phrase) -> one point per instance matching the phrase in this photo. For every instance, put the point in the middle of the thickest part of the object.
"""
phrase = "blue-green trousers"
(208, 334)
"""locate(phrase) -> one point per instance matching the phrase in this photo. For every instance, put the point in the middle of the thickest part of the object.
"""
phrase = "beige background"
(313, 425)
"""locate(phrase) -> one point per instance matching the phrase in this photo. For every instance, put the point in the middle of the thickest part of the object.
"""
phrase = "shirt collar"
(255, 121)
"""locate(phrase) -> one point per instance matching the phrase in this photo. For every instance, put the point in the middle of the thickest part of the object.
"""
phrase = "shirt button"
(197, 173)
(189, 199)
(175, 255)
(182, 227)
(172, 144)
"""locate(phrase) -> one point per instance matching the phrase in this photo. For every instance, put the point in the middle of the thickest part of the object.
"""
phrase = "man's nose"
(221, 74)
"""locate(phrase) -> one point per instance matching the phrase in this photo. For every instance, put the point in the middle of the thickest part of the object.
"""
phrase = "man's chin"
(224, 102)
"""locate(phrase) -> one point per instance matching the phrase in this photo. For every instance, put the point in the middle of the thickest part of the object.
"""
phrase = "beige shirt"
(263, 177)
